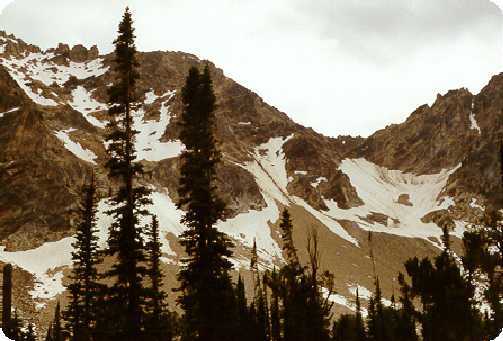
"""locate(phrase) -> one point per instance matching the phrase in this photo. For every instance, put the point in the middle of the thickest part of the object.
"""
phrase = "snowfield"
(473, 122)
(85, 104)
(39, 67)
(148, 144)
(379, 188)
(74, 147)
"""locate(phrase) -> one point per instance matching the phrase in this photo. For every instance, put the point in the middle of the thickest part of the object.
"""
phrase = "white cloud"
(340, 66)
(4, 3)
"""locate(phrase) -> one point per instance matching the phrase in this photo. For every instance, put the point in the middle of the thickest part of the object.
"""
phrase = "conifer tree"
(15, 327)
(81, 314)
(318, 306)
(446, 296)
(7, 299)
(262, 314)
(57, 330)
(159, 322)
(127, 294)
(406, 329)
(484, 261)
(274, 282)
(293, 286)
(48, 335)
(206, 292)
(360, 328)
(345, 329)
(245, 323)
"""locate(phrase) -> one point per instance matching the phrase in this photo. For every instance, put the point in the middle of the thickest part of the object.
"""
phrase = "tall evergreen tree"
(57, 330)
(406, 329)
(6, 299)
(15, 332)
(81, 314)
(263, 326)
(158, 324)
(318, 305)
(293, 286)
(48, 335)
(205, 286)
(274, 282)
(127, 294)
(360, 327)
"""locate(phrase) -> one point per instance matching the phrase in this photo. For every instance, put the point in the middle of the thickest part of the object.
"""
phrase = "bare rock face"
(314, 172)
(441, 218)
(379, 218)
(80, 54)
(428, 141)
(404, 199)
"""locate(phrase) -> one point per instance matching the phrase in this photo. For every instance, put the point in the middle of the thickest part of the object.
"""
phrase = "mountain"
(405, 183)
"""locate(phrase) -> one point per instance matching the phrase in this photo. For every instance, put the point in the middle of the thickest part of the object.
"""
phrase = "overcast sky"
(339, 66)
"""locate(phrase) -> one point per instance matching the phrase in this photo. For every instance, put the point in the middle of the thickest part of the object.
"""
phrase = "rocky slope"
(403, 183)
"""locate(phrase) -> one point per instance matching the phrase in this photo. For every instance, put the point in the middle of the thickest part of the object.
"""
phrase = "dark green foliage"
(446, 298)
(360, 332)
(15, 328)
(57, 330)
(6, 299)
(126, 297)
(158, 322)
(375, 322)
(262, 313)
(406, 328)
(274, 282)
(299, 309)
(346, 328)
(207, 295)
(484, 261)
(81, 313)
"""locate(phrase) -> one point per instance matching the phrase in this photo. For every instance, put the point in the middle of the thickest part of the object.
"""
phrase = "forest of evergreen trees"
(437, 297)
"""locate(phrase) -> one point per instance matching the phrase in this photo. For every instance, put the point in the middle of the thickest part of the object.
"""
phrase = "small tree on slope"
(82, 311)
(158, 323)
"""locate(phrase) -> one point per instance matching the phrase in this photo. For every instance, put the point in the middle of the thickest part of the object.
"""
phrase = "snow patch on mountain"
(473, 122)
(150, 97)
(318, 181)
(379, 189)
(74, 147)
(85, 104)
(9, 111)
(148, 144)
(269, 169)
(327, 220)
(38, 66)
(12, 66)
(45, 263)
(246, 227)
